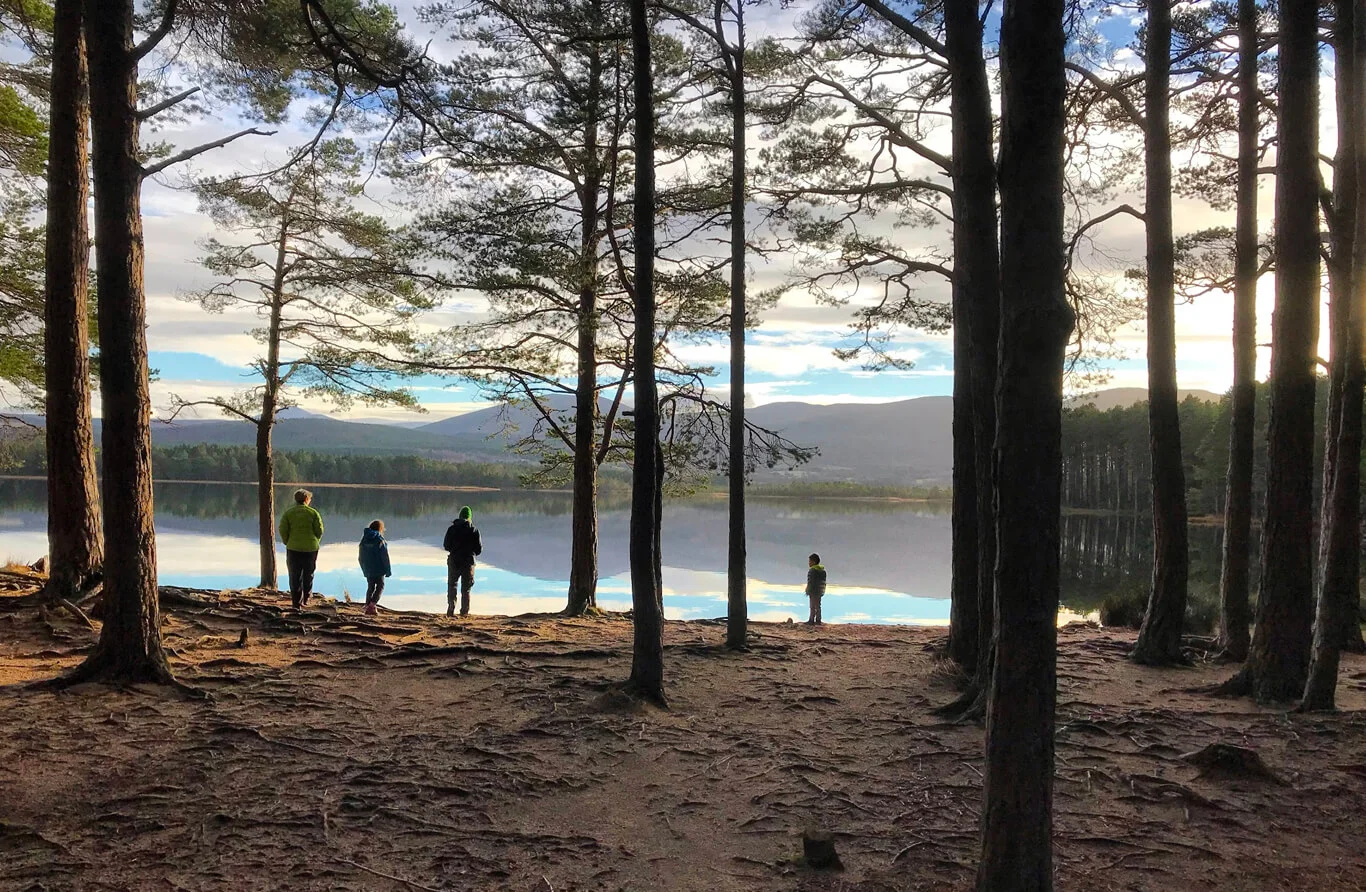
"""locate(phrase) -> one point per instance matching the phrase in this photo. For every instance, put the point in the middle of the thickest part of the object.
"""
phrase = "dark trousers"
(815, 609)
(302, 565)
(459, 576)
(373, 589)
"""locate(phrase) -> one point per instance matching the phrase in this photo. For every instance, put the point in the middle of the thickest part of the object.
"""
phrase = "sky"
(791, 357)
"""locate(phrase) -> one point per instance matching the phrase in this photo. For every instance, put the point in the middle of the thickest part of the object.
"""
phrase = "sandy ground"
(416, 752)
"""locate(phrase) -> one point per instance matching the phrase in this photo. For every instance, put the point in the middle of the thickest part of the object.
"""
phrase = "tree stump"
(1228, 760)
(818, 850)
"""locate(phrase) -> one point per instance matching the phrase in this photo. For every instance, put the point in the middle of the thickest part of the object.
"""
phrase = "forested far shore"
(1106, 458)
(208, 462)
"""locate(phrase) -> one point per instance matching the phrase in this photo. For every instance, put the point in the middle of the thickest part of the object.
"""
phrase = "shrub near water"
(1125, 609)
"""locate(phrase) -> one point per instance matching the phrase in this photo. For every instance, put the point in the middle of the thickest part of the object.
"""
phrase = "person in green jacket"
(301, 529)
(815, 587)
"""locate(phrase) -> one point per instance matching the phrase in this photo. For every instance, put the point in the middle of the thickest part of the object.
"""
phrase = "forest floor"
(409, 751)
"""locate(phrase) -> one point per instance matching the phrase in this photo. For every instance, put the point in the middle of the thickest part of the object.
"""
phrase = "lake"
(888, 562)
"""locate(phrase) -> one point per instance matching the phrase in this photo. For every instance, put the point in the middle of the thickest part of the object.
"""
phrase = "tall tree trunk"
(265, 423)
(265, 492)
(647, 599)
(1340, 537)
(1159, 640)
(1342, 270)
(1234, 613)
(583, 558)
(1017, 814)
(737, 608)
(129, 648)
(75, 542)
(964, 609)
(1278, 660)
(977, 275)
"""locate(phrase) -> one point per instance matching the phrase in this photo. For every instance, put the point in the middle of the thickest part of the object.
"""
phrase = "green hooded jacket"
(301, 528)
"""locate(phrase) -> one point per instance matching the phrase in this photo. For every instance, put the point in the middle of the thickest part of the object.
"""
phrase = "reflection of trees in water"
(215, 501)
(1106, 554)
(23, 495)
(1102, 554)
(238, 501)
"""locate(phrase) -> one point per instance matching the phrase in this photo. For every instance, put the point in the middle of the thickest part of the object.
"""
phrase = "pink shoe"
(371, 610)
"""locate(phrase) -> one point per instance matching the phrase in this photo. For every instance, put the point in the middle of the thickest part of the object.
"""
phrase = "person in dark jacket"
(462, 544)
(374, 563)
(815, 587)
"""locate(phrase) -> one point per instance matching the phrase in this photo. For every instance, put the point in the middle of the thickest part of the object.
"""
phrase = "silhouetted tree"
(647, 597)
(1340, 536)
(1036, 323)
(977, 304)
(1278, 660)
(1234, 613)
(1159, 641)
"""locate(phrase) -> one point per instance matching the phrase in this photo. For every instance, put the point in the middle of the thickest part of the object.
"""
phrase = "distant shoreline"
(427, 487)
(1195, 520)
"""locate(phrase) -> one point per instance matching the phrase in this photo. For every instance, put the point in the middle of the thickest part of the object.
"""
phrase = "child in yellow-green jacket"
(815, 587)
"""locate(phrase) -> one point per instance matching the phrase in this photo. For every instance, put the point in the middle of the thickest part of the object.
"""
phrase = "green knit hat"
(466, 513)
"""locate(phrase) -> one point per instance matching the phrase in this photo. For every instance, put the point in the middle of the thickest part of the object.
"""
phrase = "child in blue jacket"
(374, 563)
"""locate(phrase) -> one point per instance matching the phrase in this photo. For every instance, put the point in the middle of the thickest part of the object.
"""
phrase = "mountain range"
(906, 442)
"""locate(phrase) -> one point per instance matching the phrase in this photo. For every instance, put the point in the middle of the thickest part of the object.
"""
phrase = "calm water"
(888, 563)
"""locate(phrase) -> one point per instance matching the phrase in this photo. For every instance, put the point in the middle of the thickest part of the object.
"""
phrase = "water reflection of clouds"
(223, 554)
(419, 583)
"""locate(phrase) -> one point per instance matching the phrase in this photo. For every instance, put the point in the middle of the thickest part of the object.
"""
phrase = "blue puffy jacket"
(374, 554)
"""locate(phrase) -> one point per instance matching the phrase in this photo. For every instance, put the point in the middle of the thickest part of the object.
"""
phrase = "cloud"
(790, 353)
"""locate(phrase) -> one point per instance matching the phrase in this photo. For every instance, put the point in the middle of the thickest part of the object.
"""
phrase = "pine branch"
(201, 149)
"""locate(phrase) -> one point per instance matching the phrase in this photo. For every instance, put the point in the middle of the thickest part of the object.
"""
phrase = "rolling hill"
(906, 442)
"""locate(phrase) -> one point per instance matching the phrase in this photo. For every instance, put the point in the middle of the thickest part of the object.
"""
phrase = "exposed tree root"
(102, 668)
(633, 689)
(1156, 657)
(1239, 685)
(388, 876)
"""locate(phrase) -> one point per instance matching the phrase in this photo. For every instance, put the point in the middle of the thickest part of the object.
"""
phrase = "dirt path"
(416, 752)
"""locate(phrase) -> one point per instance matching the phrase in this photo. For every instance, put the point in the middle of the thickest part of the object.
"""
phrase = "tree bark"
(75, 541)
(737, 608)
(1036, 320)
(265, 491)
(1340, 537)
(1342, 267)
(1159, 639)
(129, 648)
(964, 613)
(1234, 613)
(977, 268)
(647, 655)
(1278, 660)
(265, 423)
(583, 559)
